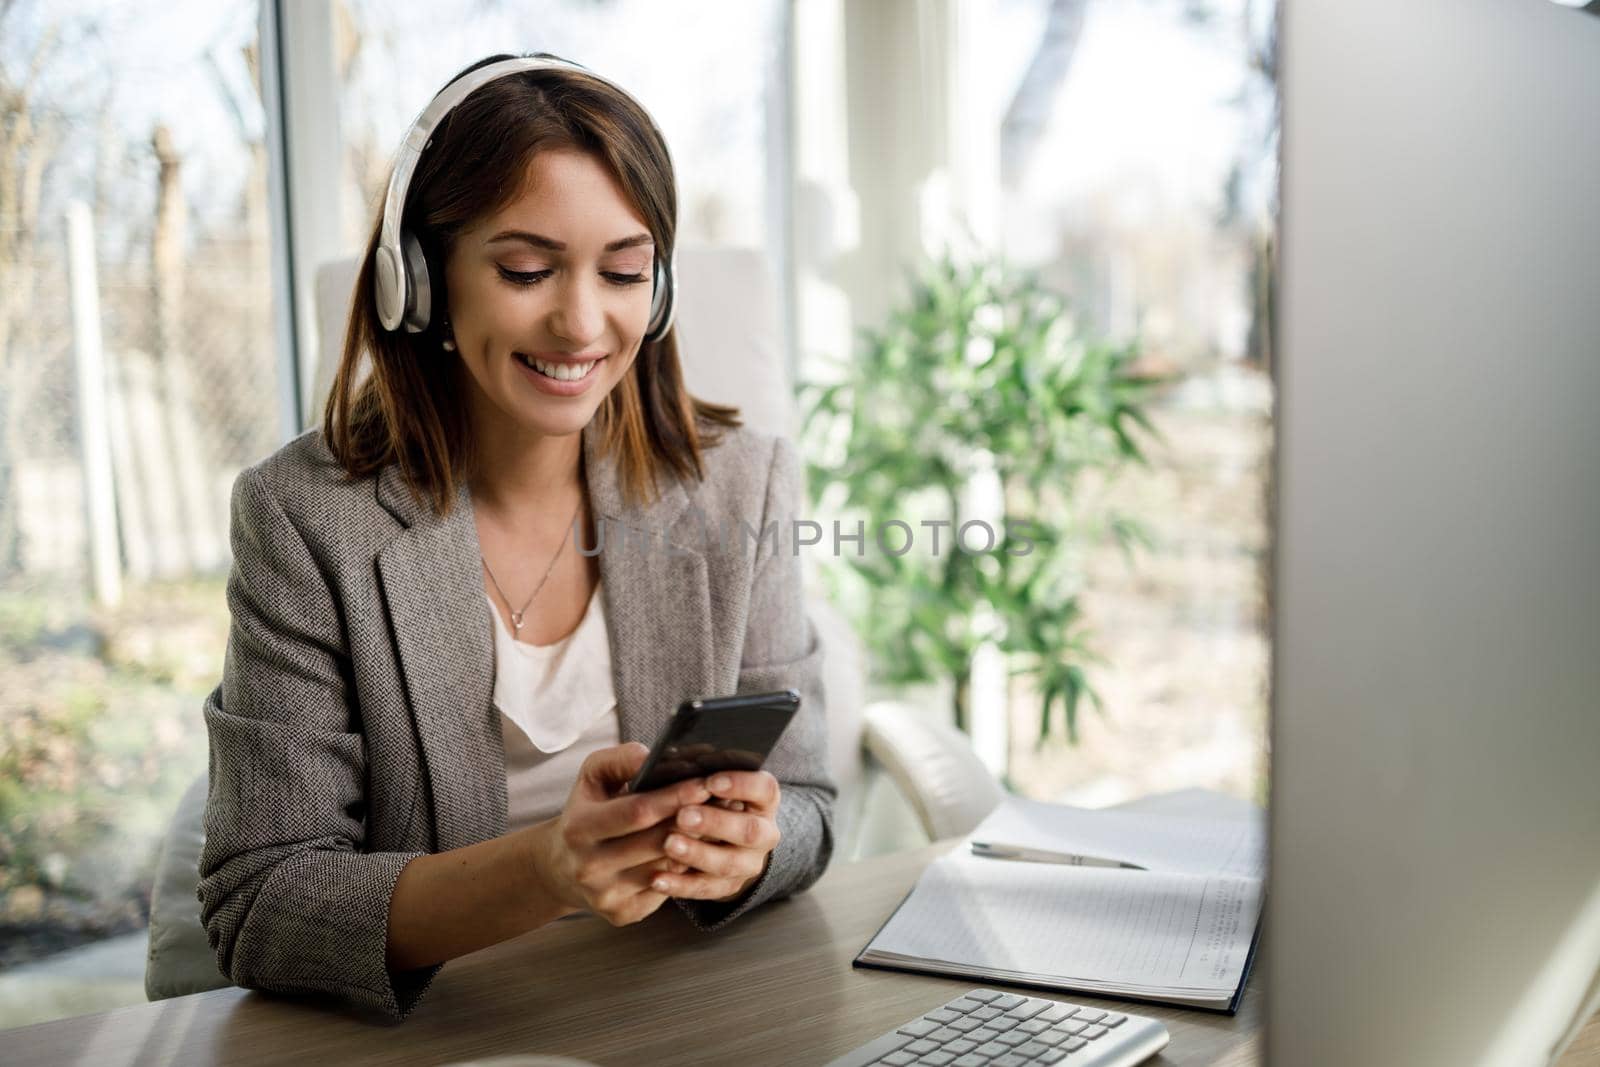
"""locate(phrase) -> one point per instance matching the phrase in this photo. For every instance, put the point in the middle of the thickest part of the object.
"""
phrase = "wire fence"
(184, 413)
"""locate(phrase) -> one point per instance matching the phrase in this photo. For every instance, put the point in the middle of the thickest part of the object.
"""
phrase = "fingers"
(620, 816)
(719, 859)
(757, 789)
(629, 895)
(695, 884)
(608, 769)
(743, 829)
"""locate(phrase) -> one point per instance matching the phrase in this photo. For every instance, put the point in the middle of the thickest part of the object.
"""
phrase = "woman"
(432, 696)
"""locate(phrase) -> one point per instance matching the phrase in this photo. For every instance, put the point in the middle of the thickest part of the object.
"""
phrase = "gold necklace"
(517, 616)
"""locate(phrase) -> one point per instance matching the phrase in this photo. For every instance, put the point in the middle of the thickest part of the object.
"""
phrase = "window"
(1126, 152)
(704, 79)
(137, 377)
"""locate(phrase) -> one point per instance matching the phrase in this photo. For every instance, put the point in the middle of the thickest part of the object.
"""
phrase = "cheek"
(637, 310)
(501, 310)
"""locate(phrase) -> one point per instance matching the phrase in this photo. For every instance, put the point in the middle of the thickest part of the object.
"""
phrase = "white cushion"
(933, 764)
(730, 340)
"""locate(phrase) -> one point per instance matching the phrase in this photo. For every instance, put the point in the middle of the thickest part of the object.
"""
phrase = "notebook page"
(1130, 928)
(1158, 842)
(1192, 802)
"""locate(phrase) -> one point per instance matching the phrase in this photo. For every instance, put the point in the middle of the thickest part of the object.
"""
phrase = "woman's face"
(549, 298)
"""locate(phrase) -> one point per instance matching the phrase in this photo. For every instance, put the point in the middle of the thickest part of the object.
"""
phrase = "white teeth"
(562, 372)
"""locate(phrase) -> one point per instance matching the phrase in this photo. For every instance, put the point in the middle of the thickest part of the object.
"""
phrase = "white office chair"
(904, 778)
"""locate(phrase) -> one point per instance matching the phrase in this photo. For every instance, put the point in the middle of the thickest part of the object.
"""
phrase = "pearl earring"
(449, 344)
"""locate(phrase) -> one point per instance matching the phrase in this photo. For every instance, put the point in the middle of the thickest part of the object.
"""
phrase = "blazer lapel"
(657, 596)
(433, 585)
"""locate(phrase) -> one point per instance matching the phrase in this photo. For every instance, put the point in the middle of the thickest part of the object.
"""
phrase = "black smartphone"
(719, 734)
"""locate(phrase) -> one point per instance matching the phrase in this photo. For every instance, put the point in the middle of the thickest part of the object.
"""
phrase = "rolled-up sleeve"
(782, 650)
(289, 900)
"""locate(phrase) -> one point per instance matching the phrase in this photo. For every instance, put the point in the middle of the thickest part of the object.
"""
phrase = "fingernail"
(720, 782)
(659, 885)
(679, 845)
(691, 818)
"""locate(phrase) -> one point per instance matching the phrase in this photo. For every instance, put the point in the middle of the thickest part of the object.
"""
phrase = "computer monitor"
(1435, 870)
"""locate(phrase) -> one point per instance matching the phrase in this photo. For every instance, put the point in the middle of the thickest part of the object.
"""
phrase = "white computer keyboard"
(988, 1028)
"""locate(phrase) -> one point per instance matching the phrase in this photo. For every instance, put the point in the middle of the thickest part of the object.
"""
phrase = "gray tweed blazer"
(354, 727)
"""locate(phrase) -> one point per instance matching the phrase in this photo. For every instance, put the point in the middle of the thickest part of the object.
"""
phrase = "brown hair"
(410, 409)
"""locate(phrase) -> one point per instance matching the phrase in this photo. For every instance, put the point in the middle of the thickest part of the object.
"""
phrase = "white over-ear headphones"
(401, 286)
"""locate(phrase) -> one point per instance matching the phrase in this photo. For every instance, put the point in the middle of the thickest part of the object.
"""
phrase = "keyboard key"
(1090, 1015)
(1010, 1059)
(957, 1048)
(936, 1059)
(1073, 1044)
(917, 1028)
(982, 1034)
(1031, 1048)
(1113, 1020)
(942, 1015)
(1055, 1055)
(1001, 1022)
(1006, 1001)
(1012, 1038)
(898, 1059)
(1056, 1012)
(985, 995)
(1093, 1032)
(963, 1005)
(943, 1034)
(1027, 1009)
(1069, 1026)
(921, 1046)
(984, 1013)
(992, 1048)
(1032, 1026)
(966, 1026)
(1050, 1037)
(971, 1060)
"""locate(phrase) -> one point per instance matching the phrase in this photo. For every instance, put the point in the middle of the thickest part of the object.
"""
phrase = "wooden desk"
(774, 988)
(659, 993)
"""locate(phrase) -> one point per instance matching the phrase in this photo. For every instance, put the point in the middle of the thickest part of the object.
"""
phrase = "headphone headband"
(402, 289)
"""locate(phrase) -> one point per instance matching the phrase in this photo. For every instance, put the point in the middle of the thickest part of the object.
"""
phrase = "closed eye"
(523, 277)
(534, 277)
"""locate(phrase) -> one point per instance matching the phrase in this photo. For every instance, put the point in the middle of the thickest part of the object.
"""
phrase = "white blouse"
(556, 706)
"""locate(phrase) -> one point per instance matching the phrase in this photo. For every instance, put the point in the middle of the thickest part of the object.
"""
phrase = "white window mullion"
(300, 95)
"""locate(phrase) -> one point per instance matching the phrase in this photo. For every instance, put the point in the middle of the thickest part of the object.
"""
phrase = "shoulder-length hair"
(411, 409)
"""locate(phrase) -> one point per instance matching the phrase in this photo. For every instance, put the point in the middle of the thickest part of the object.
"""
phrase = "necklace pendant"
(516, 620)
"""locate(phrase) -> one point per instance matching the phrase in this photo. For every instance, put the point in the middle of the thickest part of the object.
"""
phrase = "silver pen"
(1035, 855)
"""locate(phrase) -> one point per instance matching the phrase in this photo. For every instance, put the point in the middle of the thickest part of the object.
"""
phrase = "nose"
(578, 316)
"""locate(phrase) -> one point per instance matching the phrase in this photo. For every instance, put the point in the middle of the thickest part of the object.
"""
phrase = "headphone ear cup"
(419, 284)
(663, 300)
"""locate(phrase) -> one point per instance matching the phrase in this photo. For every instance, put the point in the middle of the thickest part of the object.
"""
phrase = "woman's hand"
(602, 851)
(727, 847)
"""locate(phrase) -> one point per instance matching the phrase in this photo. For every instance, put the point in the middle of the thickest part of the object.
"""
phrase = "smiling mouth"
(561, 372)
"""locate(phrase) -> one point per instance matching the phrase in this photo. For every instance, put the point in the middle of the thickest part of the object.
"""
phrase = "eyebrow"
(540, 241)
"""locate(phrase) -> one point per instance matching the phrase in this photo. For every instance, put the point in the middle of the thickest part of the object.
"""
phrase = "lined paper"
(1081, 924)
(1180, 930)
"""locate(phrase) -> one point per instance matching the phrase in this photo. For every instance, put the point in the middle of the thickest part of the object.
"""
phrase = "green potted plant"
(980, 377)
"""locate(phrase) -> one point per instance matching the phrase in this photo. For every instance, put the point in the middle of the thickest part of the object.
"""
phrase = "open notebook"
(1178, 925)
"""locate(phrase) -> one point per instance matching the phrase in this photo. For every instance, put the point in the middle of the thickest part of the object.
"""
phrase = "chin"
(569, 419)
